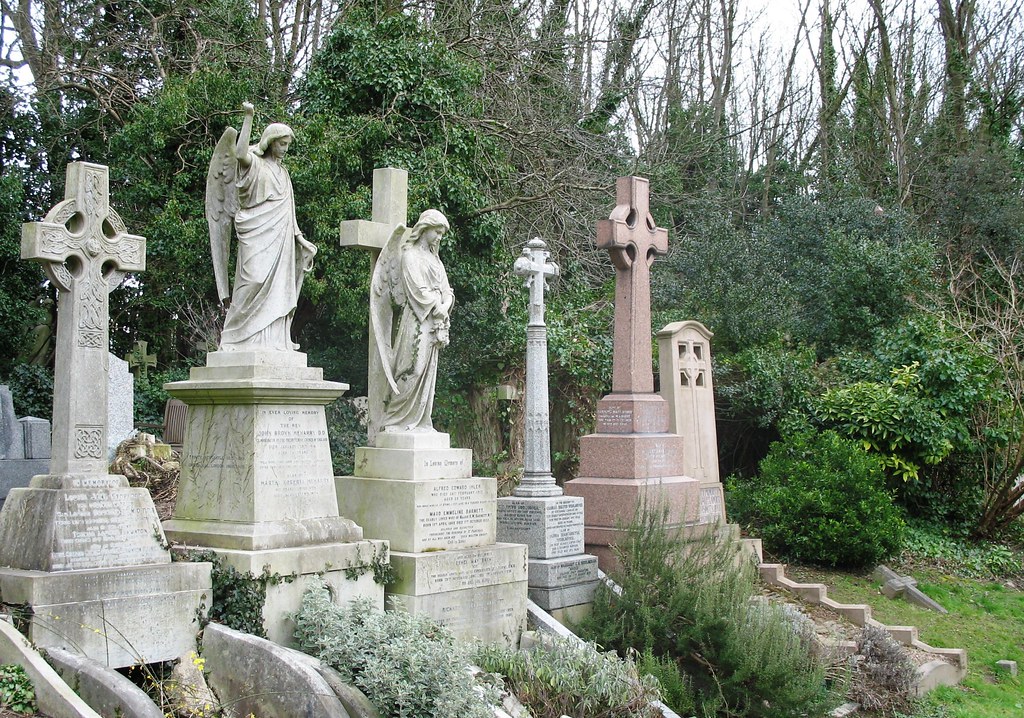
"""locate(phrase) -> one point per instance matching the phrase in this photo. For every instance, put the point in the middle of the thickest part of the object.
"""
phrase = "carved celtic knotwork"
(88, 442)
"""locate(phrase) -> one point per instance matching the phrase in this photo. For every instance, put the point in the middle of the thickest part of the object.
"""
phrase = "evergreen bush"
(408, 666)
(822, 499)
(689, 602)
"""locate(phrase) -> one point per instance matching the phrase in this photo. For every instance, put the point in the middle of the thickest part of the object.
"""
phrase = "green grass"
(985, 617)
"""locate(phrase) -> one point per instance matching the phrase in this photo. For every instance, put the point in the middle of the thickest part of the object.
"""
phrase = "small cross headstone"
(85, 250)
(894, 585)
(535, 266)
(633, 241)
(140, 361)
(390, 209)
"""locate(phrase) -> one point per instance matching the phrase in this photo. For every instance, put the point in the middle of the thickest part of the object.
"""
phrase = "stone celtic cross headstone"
(535, 266)
(140, 361)
(79, 546)
(633, 241)
(85, 249)
(632, 459)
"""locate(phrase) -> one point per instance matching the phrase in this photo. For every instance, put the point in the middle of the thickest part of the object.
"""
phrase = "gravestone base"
(476, 593)
(424, 515)
(116, 616)
(612, 504)
(350, 570)
(560, 574)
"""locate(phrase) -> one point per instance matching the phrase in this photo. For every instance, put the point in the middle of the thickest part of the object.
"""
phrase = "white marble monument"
(79, 546)
(257, 486)
(562, 579)
(410, 486)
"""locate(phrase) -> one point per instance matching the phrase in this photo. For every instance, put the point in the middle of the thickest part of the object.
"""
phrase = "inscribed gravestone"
(79, 546)
(120, 404)
(631, 459)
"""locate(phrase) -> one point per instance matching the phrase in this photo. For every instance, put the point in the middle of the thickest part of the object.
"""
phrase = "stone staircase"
(948, 667)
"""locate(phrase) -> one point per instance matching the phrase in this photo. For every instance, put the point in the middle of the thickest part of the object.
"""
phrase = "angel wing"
(221, 206)
(386, 292)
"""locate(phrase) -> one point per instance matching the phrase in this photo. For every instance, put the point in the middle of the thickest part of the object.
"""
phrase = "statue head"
(273, 131)
(430, 219)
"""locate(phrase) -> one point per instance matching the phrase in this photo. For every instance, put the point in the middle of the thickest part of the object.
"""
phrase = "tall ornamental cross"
(390, 208)
(85, 250)
(632, 239)
(535, 267)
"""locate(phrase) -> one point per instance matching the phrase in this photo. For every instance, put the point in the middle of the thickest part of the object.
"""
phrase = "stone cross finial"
(537, 478)
(84, 248)
(390, 209)
(534, 266)
(633, 241)
(139, 362)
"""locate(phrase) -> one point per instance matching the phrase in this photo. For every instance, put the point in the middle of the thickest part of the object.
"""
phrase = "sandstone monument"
(83, 550)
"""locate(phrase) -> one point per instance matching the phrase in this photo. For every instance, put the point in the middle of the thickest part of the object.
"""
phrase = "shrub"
(822, 499)
(885, 677)
(690, 603)
(150, 396)
(16, 692)
(346, 428)
(407, 666)
(32, 390)
(565, 677)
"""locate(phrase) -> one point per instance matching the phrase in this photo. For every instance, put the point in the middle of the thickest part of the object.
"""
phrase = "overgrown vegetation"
(687, 604)
(406, 665)
(562, 677)
(16, 691)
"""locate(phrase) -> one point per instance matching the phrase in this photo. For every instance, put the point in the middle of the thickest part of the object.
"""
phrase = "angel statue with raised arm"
(410, 301)
(249, 187)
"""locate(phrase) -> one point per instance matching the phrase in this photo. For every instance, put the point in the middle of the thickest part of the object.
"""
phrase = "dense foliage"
(691, 609)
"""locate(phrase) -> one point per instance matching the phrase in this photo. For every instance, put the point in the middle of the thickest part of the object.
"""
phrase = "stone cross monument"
(535, 266)
(390, 209)
(85, 250)
(79, 546)
(561, 579)
(139, 360)
(632, 460)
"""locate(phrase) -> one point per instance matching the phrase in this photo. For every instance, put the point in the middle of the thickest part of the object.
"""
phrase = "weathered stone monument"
(632, 459)
(256, 485)
(120, 404)
(684, 352)
(410, 487)
(562, 579)
(24, 446)
(79, 547)
(140, 361)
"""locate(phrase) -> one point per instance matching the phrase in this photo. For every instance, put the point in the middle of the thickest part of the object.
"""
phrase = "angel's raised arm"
(242, 146)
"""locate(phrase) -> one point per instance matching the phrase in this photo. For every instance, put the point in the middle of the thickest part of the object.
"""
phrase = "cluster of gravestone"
(87, 556)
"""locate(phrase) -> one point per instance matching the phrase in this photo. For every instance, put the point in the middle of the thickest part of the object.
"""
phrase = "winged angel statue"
(249, 187)
(410, 302)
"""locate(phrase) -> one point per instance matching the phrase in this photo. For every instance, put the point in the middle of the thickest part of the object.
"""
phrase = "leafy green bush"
(16, 691)
(346, 428)
(821, 499)
(406, 665)
(957, 556)
(690, 603)
(564, 677)
(32, 390)
(150, 396)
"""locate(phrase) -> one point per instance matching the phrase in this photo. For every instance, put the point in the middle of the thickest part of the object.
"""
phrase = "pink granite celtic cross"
(632, 239)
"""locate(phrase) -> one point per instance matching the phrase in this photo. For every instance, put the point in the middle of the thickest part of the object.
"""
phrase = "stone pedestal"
(87, 555)
(631, 461)
(561, 576)
(418, 493)
(257, 485)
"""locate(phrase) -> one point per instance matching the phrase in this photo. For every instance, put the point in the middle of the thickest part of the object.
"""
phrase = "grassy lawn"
(986, 618)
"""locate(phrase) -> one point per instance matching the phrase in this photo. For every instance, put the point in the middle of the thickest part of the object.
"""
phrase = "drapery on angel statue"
(250, 188)
(410, 301)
